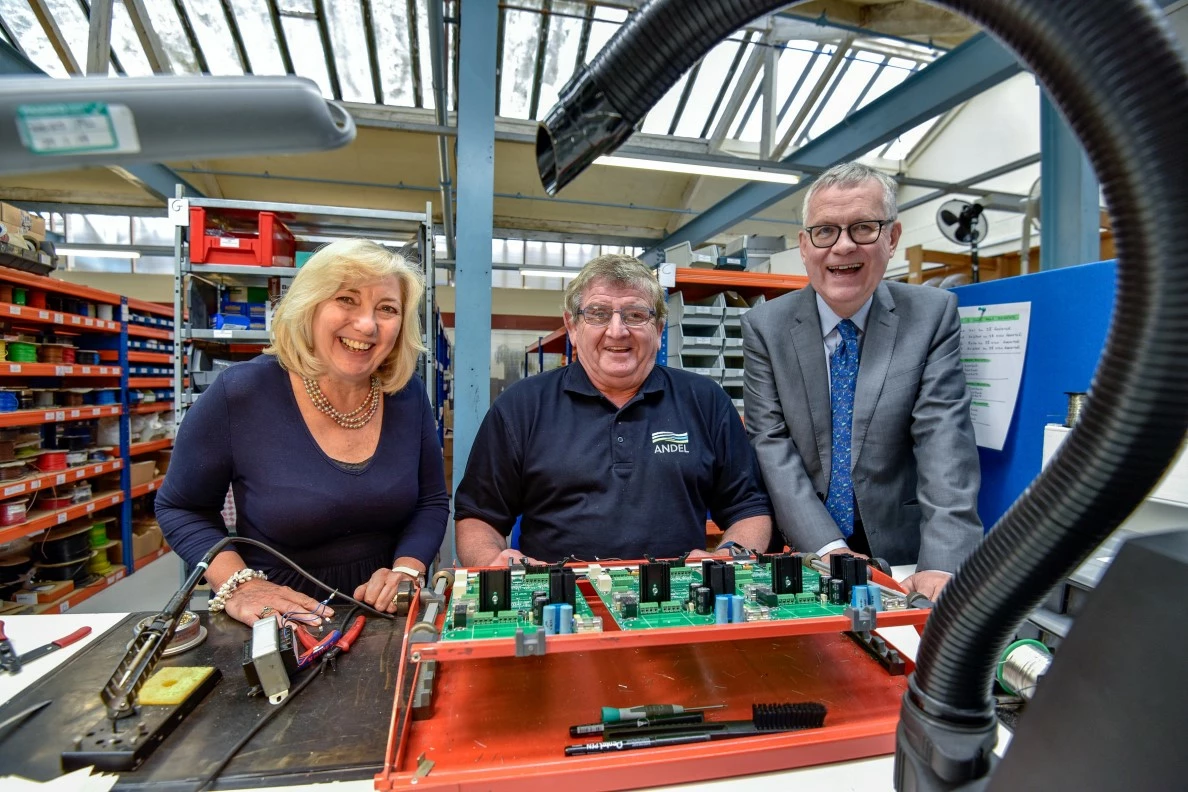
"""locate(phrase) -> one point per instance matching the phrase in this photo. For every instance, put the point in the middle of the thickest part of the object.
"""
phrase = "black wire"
(222, 543)
(203, 783)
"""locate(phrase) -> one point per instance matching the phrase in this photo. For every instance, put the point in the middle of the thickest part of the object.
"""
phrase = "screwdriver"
(616, 714)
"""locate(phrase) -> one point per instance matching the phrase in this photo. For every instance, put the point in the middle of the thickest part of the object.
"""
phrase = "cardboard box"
(44, 592)
(146, 537)
(142, 472)
(162, 459)
(28, 225)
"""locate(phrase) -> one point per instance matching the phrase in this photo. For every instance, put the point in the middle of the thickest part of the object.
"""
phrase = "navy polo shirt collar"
(578, 381)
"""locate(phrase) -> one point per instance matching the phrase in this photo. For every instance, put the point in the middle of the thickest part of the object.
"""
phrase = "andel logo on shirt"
(670, 442)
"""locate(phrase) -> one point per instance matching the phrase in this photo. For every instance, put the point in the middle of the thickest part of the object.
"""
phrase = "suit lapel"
(810, 353)
(878, 346)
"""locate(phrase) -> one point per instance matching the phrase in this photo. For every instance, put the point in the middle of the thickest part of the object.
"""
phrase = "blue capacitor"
(564, 618)
(722, 609)
(876, 599)
(736, 609)
(552, 613)
(859, 596)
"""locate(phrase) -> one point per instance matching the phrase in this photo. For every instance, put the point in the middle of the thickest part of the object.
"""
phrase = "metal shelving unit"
(306, 222)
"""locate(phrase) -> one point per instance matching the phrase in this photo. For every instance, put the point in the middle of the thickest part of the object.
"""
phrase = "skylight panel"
(565, 29)
(520, 34)
(259, 39)
(210, 28)
(29, 34)
(395, 65)
(345, 20)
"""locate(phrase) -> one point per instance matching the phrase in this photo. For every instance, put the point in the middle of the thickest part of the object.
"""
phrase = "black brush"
(765, 719)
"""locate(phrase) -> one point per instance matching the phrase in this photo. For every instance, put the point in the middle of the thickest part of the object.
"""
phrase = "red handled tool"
(61, 643)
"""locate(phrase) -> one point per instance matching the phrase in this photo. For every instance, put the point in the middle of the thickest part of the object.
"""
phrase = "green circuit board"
(750, 580)
(503, 624)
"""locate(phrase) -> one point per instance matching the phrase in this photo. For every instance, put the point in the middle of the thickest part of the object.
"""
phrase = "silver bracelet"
(415, 574)
(219, 601)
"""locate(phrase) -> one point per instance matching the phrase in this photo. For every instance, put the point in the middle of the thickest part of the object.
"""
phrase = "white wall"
(992, 129)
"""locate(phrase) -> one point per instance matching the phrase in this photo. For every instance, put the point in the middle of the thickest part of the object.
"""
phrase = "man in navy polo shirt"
(611, 456)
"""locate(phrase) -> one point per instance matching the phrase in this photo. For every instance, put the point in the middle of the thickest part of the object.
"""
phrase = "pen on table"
(616, 714)
(635, 742)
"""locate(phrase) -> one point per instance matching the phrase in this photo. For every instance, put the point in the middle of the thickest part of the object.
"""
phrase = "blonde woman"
(327, 441)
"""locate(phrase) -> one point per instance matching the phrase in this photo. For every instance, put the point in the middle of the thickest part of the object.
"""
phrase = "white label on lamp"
(77, 128)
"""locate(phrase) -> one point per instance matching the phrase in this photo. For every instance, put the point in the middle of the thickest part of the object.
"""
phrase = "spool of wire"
(22, 352)
(8, 401)
(1076, 403)
(1021, 666)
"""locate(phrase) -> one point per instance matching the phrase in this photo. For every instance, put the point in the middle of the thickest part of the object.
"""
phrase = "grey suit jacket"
(915, 462)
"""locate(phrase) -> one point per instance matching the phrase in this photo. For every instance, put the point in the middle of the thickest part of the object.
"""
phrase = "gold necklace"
(356, 418)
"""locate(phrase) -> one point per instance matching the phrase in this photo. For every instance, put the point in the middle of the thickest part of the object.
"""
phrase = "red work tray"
(501, 722)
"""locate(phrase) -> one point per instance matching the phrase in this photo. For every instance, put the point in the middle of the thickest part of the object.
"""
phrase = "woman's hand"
(380, 591)
(258, 599)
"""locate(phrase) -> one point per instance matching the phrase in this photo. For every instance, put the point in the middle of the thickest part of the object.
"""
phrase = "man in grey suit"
(856, 401)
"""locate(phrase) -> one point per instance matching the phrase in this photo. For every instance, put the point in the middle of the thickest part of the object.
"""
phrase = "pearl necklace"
(356, 418)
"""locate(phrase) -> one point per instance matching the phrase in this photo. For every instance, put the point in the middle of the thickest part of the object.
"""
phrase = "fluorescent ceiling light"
(745, 174)
(553, 273)
(64, 250)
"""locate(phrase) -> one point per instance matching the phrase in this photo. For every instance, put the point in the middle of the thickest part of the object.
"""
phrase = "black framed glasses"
(601, 315)
(864, 232)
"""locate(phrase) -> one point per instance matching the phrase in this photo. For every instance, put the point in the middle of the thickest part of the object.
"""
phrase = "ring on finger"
(267, 611)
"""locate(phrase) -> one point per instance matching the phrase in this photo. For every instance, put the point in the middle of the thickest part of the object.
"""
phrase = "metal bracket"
(862, 619)
(528, 644)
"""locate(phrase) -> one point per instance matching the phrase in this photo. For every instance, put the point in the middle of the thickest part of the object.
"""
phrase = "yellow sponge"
(173, 685)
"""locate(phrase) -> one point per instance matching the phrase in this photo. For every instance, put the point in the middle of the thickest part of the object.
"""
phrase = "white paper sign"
(993, 348)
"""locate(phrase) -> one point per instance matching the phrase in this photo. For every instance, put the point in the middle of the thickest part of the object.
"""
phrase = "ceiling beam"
(966, 185)
(150, 42)
(741, 89)
(45, 17)
(99, 37)
(835, 62)
(969, 70)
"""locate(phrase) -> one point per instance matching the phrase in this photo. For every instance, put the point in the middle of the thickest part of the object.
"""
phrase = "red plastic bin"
(268, 243)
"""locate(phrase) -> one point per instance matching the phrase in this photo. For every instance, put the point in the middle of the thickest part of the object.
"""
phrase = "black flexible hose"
(1112, 68)
(599, 107)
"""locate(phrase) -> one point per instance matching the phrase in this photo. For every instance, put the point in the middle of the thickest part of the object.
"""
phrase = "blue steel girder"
(965, 72)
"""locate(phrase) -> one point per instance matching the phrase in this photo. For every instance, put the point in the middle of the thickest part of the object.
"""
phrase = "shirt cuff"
(837, 544)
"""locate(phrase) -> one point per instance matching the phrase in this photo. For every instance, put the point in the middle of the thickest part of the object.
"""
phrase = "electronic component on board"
(562, 584)
(787, 575)
(655, 581)
(494, 590)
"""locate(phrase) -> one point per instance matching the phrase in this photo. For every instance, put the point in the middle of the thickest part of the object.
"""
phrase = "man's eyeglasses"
(601, 315)
(864, 232)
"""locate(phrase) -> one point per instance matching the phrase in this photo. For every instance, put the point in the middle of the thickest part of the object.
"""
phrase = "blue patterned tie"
(843, 372)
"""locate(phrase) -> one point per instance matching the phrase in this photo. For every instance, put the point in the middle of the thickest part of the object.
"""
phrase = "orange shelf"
(44, 316)
(40, 520)
(150, 382)
(57, 370)
(145, 489)
(8, 275)
(78, 596)
(148, 558)
(149, 357)
(144, 306)
(698, 284)
(554, 342)
(150, 446)
(152, 407)
(139, 331)
(54, 478)
(57, 415)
